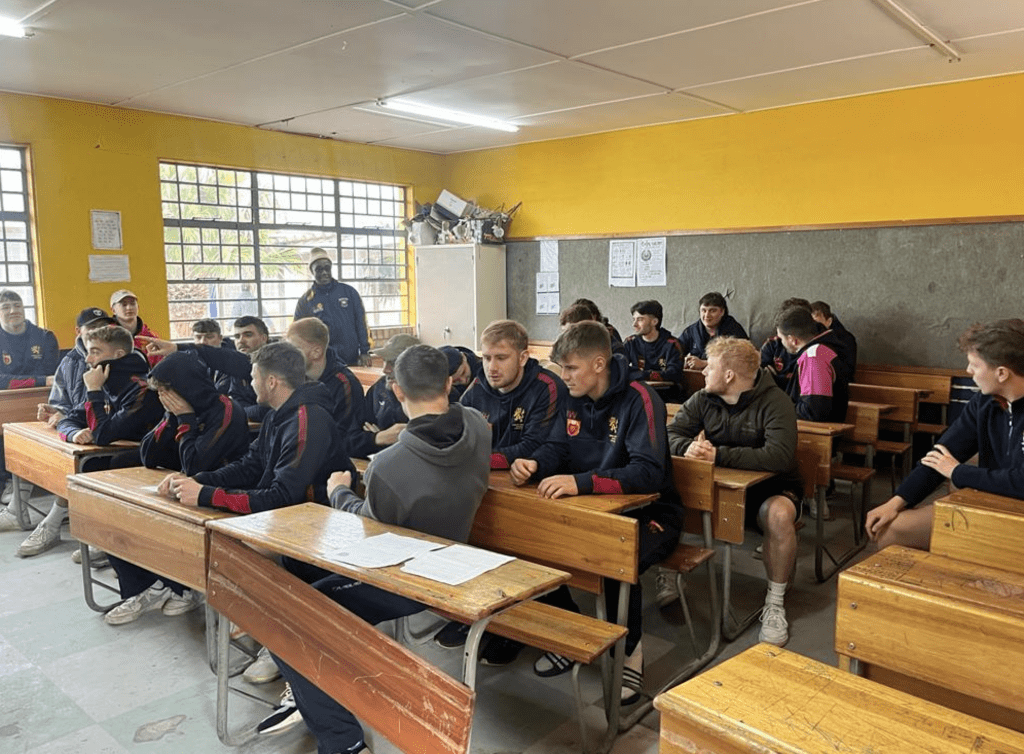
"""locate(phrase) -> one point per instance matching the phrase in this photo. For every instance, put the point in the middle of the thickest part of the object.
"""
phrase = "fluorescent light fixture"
(451, 116)
(12, 29)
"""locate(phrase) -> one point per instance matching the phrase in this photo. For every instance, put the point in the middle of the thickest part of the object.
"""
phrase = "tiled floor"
(71, 684)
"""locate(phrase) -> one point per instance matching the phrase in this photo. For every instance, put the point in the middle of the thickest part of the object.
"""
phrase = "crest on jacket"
(518, 418)
(572, 424)
(343, 301)
(613, 428)
(37, 352)
(7, 359)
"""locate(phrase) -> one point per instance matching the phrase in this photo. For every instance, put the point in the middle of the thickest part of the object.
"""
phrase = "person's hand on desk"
(521, 470)
(186, 490)
(940, 459)
(164, 488)
(45, 413)
(158, 347)
(82, 437)
(693, 362)
(389, 436)
(173, 402)
(338, 479)
(701, 449)
(560, 485)
(96, 377)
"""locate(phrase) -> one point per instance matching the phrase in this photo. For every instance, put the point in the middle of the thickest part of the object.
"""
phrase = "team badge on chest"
(7, 358)
(518, 418)
(572, 424)
(613, 428)
(343, 302)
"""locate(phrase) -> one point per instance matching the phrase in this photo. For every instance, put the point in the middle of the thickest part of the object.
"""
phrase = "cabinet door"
(446, 295)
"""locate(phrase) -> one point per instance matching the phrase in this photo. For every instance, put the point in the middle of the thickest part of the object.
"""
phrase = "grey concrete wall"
(906, 293)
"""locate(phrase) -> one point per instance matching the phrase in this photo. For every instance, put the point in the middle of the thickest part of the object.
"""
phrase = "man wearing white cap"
(339, 306)
(125, 306)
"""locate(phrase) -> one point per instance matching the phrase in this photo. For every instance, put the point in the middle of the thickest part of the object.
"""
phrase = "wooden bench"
(540, 349)
(946, 630)
(981, 528)
(693, 381)
(410, 702)
(21, 405)
(901, 417)
(767, 699)
(938, 383)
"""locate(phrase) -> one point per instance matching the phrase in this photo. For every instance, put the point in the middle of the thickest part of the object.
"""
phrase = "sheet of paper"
(106, 229)
(109, 268)
(455, 564)
(547, 282)
(549, 256)
(622, 264)
(650, 261)
(385, 550)
(547, 303)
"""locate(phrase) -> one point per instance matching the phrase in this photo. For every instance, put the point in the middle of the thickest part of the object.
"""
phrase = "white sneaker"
(8, 494)
(134, 607)
(187, 602)
(8, 521)
(284, 717)
(97, 558)
(774, 626)
(263, 670)
(666, 592)
(40, 540)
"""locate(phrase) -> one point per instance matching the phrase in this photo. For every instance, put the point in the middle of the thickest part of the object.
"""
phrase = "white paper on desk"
(385, 550)
(455, 564)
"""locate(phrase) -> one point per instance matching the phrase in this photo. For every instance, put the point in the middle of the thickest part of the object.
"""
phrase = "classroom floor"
(72, 684)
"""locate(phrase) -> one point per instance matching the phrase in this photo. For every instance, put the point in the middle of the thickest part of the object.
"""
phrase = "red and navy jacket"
(142, 329)
(381, 408)
(661, 359)
(232, 370)
(346, 399)
(288, 463)
(124, 409)
(521, 419)
(214, 434)
(695, 338)
(781, 362)
(26, 360)
(616, 444)
(990, 427)
(819, 386)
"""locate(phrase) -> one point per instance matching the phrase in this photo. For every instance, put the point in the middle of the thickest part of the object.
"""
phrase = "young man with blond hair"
(743, 420)
(991, 425)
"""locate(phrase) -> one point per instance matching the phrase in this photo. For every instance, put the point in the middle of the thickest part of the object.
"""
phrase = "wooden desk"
(943, 629)
(768, 699)
(367, 376)
(981, 528)
(34, 452)
(693, 380)
(114, 511)
(500, 482)
(20, 405)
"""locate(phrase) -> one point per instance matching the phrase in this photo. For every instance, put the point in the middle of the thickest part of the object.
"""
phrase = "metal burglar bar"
(237, 242)
(16, 270)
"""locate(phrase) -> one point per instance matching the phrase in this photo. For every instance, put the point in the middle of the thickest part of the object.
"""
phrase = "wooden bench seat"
(767, 699)
(579, 637)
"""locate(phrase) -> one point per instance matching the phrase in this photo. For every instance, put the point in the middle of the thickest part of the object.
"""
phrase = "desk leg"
(89, 582)
(223, 688)
(732, 628)
(820, 548)
(470, 652)
(17, 507)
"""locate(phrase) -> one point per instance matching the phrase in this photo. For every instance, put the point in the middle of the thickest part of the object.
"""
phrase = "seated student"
(297, 447)
(598, 317)
(432, 480)
(818, 387)
(118, 406)
(612, 441)
(522, 402)
(385, 417)
(774, 356)
(652, 352)
(991, 425)
(312, 337)
(822, 314)
(251, 334)
(743, 420)
(201, 430)
(714, 320)
(583, 313)
(29, 359)
(125, 306)
(463, 367)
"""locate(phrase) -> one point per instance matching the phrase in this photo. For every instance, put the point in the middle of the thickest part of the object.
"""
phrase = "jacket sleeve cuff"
(206, 496)
(584, 483)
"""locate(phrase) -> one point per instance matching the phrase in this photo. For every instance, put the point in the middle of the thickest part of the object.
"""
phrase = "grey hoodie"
(432, 480)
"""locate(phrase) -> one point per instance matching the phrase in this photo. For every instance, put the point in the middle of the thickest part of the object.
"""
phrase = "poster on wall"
(622, 264)
(650, 261)
(106, 230)
(109, 268)
(547, 293)
(549, 256)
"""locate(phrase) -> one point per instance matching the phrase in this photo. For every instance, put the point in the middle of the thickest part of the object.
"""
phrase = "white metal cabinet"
(460, 289)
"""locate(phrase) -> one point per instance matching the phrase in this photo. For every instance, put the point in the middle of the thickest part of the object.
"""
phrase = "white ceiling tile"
(16, 10)
(455, 140)
(814, 33)
(350, 124)
(404, 54)
(985, 56)
(570, 27)
(952, 19)
(557, 86)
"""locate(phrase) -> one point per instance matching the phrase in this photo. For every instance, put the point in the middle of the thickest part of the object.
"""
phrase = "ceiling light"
(12, 29)
(451, 116)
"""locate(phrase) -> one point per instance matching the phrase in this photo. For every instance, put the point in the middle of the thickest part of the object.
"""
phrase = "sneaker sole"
(175, 611)
(31, 553)
(257, 680)
(291, 721)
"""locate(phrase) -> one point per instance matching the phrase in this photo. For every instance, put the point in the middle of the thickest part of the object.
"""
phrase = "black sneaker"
(284, 717)
(500, 651)
(452, 635)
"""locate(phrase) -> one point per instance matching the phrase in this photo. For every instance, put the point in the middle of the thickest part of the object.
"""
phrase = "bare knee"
(780, 516)
(911, 528)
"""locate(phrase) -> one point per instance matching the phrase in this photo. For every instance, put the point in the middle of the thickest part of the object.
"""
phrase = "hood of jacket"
(122, 371)
(454, 437)
(189, 377)
(307, 394)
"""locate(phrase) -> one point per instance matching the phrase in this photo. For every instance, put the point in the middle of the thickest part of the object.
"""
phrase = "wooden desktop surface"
(20, 404)
(316, 534)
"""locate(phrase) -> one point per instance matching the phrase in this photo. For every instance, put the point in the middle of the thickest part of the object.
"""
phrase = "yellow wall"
(945, 151)
(92, 157)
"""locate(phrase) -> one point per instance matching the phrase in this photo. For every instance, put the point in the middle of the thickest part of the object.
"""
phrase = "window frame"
(25, 216)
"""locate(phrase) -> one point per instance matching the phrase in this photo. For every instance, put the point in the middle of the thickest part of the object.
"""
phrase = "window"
(16, 270)
(237, 242)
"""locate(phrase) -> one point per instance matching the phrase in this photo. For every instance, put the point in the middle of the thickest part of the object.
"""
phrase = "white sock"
(58, 515)
(776, 593)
